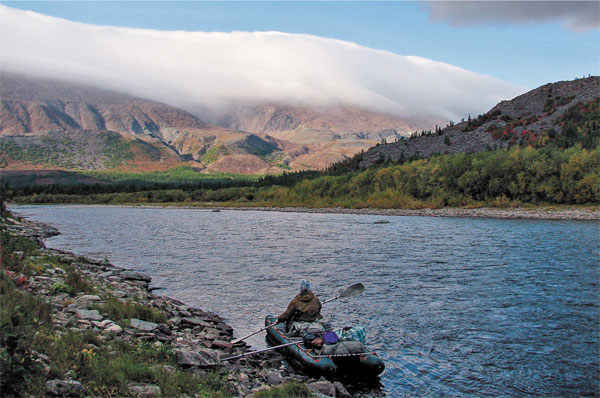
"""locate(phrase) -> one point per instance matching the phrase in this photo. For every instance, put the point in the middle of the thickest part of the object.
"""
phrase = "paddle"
(257, 351)
(354, 290)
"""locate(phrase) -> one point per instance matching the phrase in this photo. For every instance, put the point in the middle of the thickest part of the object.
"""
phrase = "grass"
(288, 390)
(118, 310)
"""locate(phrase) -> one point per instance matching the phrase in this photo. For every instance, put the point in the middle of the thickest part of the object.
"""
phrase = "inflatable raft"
(314, 361)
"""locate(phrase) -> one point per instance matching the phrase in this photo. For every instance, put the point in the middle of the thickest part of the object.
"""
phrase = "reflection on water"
(456, 307)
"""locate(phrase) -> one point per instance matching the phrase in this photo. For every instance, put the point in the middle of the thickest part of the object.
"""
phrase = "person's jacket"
(305, 307)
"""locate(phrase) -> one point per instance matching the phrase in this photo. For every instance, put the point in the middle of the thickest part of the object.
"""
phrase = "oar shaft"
(331, 299)
(258, 351)
(252, 334)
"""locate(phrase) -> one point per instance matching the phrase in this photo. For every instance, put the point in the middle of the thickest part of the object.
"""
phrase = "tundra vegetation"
(538, 167)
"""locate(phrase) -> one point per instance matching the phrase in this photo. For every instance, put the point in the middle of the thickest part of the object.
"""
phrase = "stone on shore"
(201, 358)
(135, 276)
(65, 388)
(114, 328)
(88, 315)
(143, 326)
(144, 390)
(322, 387)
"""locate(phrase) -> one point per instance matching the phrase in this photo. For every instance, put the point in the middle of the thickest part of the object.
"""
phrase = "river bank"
(118, 306)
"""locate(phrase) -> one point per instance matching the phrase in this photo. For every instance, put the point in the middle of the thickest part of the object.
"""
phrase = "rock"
(340, 390)
(88, 297)
(274, 378)
(221, 345)
(164, 329)
(114, 328)
(144, 390)
(90, 315)
(135, 276)
(201, 358)
(65, 388)
(144, 326)
(322, 387)
(195, 321)
(102, 324)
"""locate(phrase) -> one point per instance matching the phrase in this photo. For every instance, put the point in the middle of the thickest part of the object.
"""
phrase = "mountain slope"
(261, 138)
(522, 120)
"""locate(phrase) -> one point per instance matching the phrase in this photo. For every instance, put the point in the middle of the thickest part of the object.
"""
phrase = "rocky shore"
(200, 339)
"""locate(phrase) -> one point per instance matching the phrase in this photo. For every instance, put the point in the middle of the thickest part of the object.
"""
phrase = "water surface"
(455, 306)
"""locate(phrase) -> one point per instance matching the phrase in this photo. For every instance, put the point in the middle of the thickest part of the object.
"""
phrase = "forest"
(541, 168)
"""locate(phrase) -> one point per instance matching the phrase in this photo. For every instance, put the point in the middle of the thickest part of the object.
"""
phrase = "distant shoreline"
(513, 213)
(541, 213)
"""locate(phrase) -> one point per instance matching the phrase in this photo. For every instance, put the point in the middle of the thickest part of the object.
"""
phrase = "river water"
(455, 306)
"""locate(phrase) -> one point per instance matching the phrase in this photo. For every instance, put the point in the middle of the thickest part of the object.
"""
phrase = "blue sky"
(527, 54)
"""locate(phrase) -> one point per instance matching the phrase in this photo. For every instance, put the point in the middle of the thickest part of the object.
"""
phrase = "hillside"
(255, 139)
(527, 119)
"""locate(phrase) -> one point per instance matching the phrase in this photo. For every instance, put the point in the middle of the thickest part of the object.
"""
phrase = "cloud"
(199, 70)
(574, 15)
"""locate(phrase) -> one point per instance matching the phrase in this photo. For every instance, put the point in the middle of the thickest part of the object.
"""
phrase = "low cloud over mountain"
(201, 71)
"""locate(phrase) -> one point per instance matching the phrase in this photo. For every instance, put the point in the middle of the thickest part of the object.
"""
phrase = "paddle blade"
(354, 290)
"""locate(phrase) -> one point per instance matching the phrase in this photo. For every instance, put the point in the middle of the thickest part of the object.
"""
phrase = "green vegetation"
(288, 390)
(117, 310)
(539, 167)
(212, 154)
(116, 150)
(528, 175)
(32, 351)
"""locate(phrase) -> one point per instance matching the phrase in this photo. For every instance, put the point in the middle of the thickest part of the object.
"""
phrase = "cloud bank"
(574, 15)
(199, 70)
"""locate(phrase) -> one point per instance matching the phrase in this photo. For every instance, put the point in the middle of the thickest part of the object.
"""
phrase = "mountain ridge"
(523, 119)
(279, 137)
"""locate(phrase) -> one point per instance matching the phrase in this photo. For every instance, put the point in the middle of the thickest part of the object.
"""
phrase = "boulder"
(90, 315)
(65, 388)
(274, 378)
(322, 387)
(144, 326)
(135, 276)
(164, 329)
(195, 321)
(340, 390)
(88, 297)
(114, 328)
(201, 358)
(144, 390)
(102, 324)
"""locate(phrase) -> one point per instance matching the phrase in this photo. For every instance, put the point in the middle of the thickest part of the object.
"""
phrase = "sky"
(396, 57)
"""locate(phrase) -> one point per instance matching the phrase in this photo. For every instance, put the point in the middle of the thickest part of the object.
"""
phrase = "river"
(455, 306)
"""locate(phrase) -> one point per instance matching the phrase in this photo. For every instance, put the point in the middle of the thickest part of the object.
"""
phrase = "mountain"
(46, 123)
(522, 120)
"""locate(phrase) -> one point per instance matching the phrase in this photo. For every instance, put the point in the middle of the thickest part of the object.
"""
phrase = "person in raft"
(304, 309)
